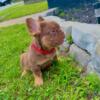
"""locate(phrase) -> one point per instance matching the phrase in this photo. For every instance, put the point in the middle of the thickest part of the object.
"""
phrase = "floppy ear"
(33, 26)
(40, 18)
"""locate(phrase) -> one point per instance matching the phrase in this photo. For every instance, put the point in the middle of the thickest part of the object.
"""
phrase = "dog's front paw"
(38, 82)
(23, 73)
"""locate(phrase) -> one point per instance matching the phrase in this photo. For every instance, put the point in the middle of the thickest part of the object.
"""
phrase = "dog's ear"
(40, 18)
(33, 26)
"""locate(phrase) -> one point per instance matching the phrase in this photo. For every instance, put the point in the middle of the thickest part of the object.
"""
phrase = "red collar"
(41, 51)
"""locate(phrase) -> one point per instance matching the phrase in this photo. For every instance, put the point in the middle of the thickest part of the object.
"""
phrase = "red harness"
(41, 51)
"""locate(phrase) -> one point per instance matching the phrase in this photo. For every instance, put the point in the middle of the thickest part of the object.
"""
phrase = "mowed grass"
(20, 10)
(62, 82)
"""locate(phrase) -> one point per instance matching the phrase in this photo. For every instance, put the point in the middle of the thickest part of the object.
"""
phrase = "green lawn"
(61, 82)
(22, 10)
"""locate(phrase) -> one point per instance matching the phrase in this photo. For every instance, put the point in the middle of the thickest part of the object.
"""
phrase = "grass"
(22, 10)
(69, 39)
(61, 82)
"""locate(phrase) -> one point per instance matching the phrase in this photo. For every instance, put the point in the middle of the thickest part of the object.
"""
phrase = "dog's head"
(48, 32)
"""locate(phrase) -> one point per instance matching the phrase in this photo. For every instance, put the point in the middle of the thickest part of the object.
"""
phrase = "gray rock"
(95, 58)
(93, 29)
(95, 62)
(90, 68)
(84, 40)
(80, 55)
(88, 38)
(94, 66)
(97, 48)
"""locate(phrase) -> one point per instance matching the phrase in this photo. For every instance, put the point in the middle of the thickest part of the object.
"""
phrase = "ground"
(62, 81)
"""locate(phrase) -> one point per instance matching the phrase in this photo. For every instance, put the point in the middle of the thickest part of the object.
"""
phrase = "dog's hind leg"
(23, 62)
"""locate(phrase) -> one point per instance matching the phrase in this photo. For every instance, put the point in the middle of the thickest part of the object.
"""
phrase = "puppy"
(47, 35)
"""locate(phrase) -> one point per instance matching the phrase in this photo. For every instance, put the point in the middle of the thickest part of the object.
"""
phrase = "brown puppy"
(47, 35)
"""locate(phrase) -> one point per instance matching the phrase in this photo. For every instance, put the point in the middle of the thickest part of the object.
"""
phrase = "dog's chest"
(44, 59)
